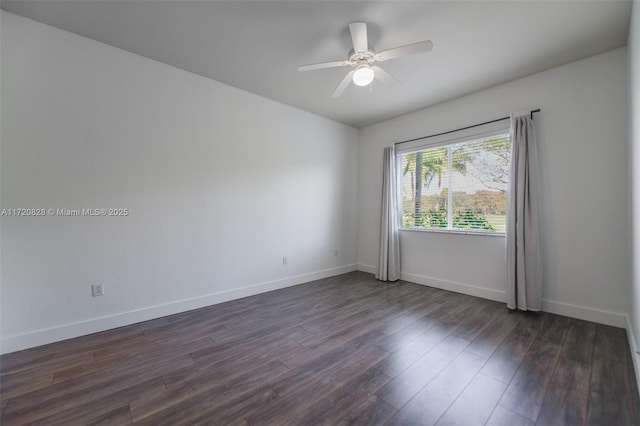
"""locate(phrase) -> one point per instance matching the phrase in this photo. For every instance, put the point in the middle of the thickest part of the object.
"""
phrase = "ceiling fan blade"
(343, 85)
(323, 65)
(359, 36)
(384, 76)
(409, 49)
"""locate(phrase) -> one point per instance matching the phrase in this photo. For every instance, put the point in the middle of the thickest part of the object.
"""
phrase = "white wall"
(220, 185)
(634, 144)
(582, 136)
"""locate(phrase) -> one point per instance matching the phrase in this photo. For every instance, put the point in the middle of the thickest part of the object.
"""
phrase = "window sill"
(454, 231)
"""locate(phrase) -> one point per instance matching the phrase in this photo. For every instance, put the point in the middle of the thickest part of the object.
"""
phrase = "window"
(456, 181)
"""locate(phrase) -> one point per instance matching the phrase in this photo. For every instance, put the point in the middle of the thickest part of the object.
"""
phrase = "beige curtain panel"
(524, 261)
(389, 251)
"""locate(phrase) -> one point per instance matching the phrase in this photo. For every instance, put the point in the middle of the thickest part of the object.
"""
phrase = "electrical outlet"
(335, 252)
(97, 290)
(284, 260)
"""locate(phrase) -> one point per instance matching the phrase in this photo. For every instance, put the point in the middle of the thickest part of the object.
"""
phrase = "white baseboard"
(614, 319)
(635, 357)
(566, 309)
(366, 268)
(82, 328)
(471, 290)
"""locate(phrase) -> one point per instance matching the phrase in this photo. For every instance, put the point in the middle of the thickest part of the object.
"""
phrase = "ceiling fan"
(362, 59)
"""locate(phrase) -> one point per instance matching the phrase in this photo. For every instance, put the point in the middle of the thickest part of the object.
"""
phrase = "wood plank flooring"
(338, 351)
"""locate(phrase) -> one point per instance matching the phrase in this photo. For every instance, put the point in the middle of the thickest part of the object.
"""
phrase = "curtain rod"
(462, 128)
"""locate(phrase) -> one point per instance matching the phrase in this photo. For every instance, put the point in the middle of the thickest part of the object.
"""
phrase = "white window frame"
(449, 138)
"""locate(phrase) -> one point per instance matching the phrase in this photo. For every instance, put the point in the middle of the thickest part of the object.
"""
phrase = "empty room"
(319, 212)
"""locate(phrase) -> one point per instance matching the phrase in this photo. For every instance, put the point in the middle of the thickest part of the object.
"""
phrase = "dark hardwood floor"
(343, 350)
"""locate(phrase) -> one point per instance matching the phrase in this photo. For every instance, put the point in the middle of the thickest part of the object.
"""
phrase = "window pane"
(424, 189)
(459, 186)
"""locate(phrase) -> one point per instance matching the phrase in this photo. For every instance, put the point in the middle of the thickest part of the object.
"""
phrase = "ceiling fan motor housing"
(358, 59)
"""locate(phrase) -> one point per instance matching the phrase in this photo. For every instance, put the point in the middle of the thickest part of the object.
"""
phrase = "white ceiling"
(257, 45)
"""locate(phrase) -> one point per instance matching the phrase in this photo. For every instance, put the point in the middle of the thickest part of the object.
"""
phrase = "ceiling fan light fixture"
(363, 76)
